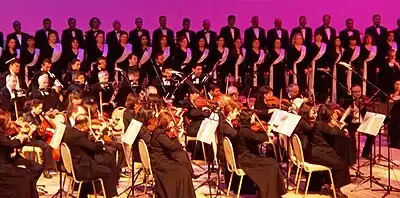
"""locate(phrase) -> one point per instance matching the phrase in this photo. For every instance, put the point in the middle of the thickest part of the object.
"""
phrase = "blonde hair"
(295, 36)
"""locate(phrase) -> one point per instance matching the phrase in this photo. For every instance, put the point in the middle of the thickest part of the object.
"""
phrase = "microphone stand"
(387, 188)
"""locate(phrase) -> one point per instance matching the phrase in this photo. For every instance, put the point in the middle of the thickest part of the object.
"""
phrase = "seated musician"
(74, 66)
(133, 62)
(214, 91)
(321, 152)
(171, 167)
(132, 104)
(168, 84)
(394, 125)
(233, 92)
(14, 69)
(51, 99)
(195, 114)
(264, 171)
(45, 69)
(10, 94)
(197, 77)
(104, 88)
(156, 72)
(16, 181)
(78, 83)
(89, 158)
(100, 66)
(75, 98)
(263, 109)
(293, 92)
(128, 87)
(304, 128)
(39, 138)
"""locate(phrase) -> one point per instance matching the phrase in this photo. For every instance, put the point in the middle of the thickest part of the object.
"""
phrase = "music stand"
(371, 125)
(55, 144)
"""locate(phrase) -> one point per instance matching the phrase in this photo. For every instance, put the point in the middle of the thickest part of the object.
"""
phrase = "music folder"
(372, 123)
(131, 133)
(284, 122)
(207, 129)
(57, 136)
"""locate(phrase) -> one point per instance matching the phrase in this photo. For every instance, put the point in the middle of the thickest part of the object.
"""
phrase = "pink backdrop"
(31, 12)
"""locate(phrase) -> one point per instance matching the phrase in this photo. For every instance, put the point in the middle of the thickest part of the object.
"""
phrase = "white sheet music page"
(207, 130)
(372, 123)
(284, 122)
(131, 133)
(57, 136)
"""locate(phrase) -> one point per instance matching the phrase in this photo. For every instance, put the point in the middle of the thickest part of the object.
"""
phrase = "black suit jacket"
(41, 39)
(192, 37)
(308, 37)
(379, 39)
(325, 39)
(66, 38)
(249, 36)
(134, 38)
(90, 41)
(157, 34)
(226, 33)
(112, 40)
(1, 39)
(21, 79)
(213, 38)
(6, 148)
(24, 39)
(344, 37)
(272, 34)
(5, 99)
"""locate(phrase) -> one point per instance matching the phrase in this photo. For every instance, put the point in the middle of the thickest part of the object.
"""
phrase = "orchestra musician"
(45, 69)
(321, 152)
(104, 88)
(18, 175)
(263, 170)
(14, 69)
(394, 125)
(170, 164)
(73, 67)
(10, 94)
(89, 158)
(101, 65)
(78, 83)
(304, 128)
(292, 93)
(38, 139)
(51, 99)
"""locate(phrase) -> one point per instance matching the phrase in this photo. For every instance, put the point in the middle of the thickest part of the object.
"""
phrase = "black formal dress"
(320, 58)
(54, 54)
(29, 62)
(210, 37)
(16, 181)
(91, 162)
(277, 33)
(68, 55)
(20, 37)
(394, 125)
(236, 62)
(277, 63)
(183, 60)
(190, 35)
(256, 61)
(69, 34)
(304, 130)
(297, 63)
(134, 37)
(230, 33)
(204, 58)
(171, 167)
(49, 97)
(42, 37)
(93, 53)
(1, 39)
(252, 33)
(346, 33)
(264, 171)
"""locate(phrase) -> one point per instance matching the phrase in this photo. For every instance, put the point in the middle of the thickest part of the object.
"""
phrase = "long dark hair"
(325, 113)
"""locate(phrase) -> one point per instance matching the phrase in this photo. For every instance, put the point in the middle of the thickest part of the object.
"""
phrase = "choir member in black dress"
(16, 181)
(377, 31)
(230, 32)
(72, 33)
(327, 31)
(42, 35)
(29, 60)
(277, 32)
(297, 62)
(97, 50)
(123, 50)
(255, 64)
(52, 51)
(183, 56)
(276, 63)
(322, 153)
(165, 49)
(163, 30)
(395, 116)
(390, 72)
(89, 158)
(264, 171)
(352, 57)
(72, 53)
(169, 161)
(18, 35)
(51, 99)
(9, 53)
(236, 62)
(188, 33)
(201, 55)
(90, 37)
(144, 53)
(305, 31)
(254, 32)
(348, 32)
(338, 72)
(220, 55)
(136, 34)
(370, 65)
(319, 54)
(209, 35)
(34, 117)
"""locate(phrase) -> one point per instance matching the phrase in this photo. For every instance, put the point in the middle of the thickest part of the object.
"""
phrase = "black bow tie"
(206, 31)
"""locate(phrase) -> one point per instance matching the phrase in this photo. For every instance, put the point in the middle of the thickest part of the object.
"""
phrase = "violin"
(203, 102)
(275, 102)
(172, 132)
(259, 126)
(152, 124)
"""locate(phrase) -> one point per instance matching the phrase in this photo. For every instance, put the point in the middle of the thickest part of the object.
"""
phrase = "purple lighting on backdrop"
(31, 12)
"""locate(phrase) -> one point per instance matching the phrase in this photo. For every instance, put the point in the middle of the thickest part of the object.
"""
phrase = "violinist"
(78, 83)
(168, 82)
(214, 92)
(197, 77)
(74, 66)
(263, 170)
(51, 99)
(233, 92)
(132, 105)
(9, 94)
(321, 152)
(144, 115)
(394, 124)
(171, 167)
(304, 128)
(262, 106)
(16, 181)
(89, 158)
(75, 98)
(38, 140)
(127, 87)
(104, 87)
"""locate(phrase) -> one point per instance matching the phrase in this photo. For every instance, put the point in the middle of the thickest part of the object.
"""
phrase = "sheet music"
(131, 133)
(57, 136)
(284, 122)
(207, 130)
(372, 123)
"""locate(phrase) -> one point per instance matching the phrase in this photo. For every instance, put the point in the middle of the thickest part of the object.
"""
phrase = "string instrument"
(17, 128)
(152, 124)
(47, 128)
(274, 102)
(204, 102)
(172, 132)
(100, 130)
(259, 126)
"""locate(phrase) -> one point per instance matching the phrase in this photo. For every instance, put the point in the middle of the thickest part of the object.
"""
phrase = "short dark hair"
(231, 17)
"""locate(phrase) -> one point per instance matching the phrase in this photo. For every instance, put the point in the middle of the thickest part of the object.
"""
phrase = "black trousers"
(114, 146)
(48, 162)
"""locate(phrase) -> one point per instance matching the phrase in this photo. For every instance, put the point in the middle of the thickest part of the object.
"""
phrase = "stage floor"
(52, 185)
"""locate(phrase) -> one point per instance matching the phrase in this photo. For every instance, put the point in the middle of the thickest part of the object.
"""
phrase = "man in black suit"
(254, 32)
(90, 35)
(14, 69)
(113, 36)
(70, 33)
(18, 35)
(163, 30)
(277, 32)
(209, 35)
(135, 34)
(188, 33)
(377, 31)
(349, 31)
(89, 158)
(9, 94)
(303, 30)
(328, 32)
(41, 36)
(230, 32)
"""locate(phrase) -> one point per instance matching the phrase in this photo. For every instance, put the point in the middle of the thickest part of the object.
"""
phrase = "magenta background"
(31, 12)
